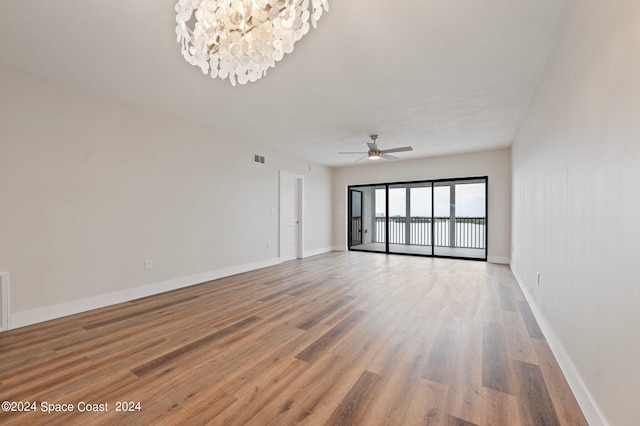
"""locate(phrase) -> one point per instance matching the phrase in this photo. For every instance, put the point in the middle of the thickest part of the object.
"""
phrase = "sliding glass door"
(460, 218)
(410, 218)
(367, 218)
(446, 218)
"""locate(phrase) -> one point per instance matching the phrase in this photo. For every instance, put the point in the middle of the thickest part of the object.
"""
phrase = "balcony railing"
(469, 232)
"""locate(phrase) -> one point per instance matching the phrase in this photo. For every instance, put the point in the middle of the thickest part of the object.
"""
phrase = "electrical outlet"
(148, 265)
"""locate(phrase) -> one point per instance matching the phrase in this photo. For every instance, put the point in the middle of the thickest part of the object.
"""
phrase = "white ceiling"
(445, 76)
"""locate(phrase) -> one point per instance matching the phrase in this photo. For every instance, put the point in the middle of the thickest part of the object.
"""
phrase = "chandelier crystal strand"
(242, 39)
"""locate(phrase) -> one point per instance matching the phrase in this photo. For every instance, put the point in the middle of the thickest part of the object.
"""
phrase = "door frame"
(300, 205)
(433, 183)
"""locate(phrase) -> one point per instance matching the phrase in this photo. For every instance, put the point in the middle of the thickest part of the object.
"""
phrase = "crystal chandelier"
(242, 39)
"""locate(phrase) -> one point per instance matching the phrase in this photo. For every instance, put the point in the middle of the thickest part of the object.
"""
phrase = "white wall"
(90, 189)
(576, 203)
(494, 164)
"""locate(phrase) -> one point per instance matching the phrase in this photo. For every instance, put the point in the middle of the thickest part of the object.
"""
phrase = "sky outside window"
(470, 201)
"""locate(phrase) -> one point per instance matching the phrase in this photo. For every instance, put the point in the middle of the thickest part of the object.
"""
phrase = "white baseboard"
(21, 319)
(498, 259)
(339, 248)
(587, 403)
(317, 252)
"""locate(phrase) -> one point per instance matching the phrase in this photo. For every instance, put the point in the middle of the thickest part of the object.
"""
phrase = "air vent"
(258, 158)
(4, 301)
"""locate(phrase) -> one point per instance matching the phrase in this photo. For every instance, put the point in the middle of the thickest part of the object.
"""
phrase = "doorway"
(291, 215)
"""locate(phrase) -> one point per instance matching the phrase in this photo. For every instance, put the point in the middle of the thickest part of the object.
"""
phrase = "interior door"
(290, 217)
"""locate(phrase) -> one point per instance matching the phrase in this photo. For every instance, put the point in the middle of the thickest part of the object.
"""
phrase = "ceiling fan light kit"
(242, 39)
(376, 153)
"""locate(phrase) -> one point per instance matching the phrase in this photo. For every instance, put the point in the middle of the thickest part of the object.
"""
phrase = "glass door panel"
(470, 218)
(378, 221)
(460, 218)
(410, 219)
(420, 197)
(367, 218)
(355, 229)
(441, 218)
(397, 215)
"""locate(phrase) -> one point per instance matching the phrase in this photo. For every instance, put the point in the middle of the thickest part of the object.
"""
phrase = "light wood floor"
(343, 338)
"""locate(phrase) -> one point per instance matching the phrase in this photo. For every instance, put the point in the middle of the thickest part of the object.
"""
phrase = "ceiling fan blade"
(372, 146)
(388, 157)
(358, 152)
(360, 159)
(404, 148)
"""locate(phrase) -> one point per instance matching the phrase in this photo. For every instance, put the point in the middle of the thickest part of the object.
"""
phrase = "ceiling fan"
(376, 153)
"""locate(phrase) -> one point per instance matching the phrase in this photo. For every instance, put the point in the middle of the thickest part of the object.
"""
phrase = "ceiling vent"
(258, 158)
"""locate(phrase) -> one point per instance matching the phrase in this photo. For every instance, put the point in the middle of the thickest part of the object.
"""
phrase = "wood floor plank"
(464, 398)
(137, 313)
(324, 313)
(355, 404)
(427, 405)
(435, 293)
(518, 340)
(530, 321)
(242, 410)
(567, 408)
(266, 363)
(201, 410)
(89, 384)
(534, 403)
(346, 338)
(499, 409)
(329, 378)
(489, 309)
(286, 291)
(442, 355)
(392, 402)
(496, 365)
(321, 345)
(385, 359)
(319, 382)
(159, 362)
(507, 301)
(455, 421)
